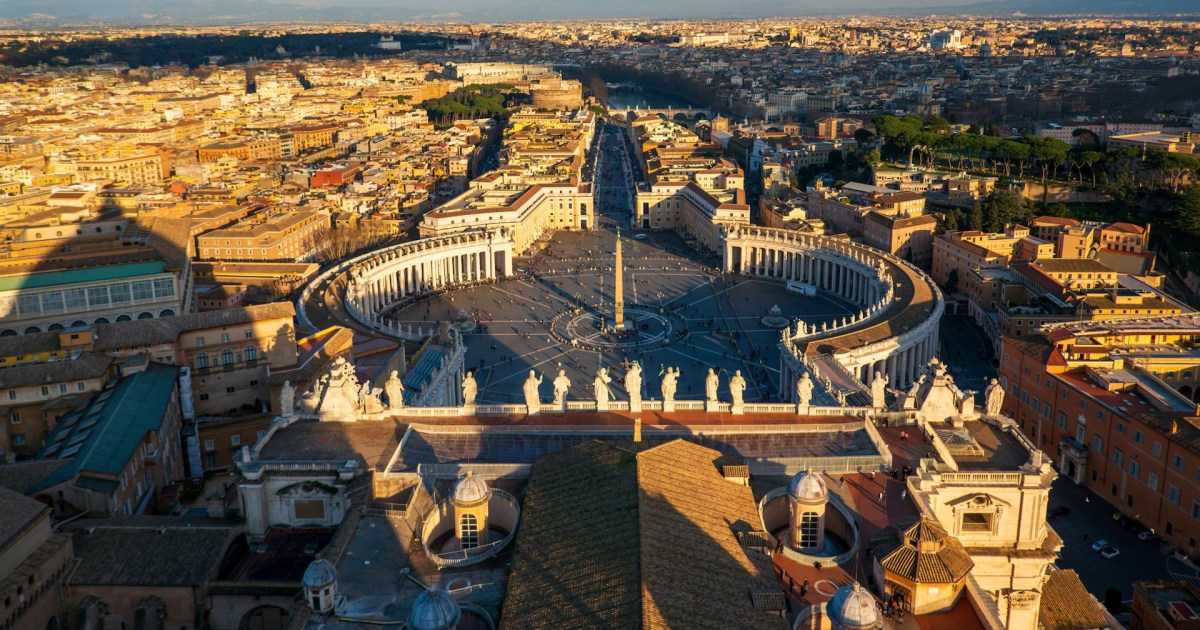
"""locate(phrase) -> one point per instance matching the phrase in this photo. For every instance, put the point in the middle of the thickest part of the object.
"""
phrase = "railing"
(799, 556)
(984, 478)
(465, 557)
(938, 445)
(486, 471)
(984, 604)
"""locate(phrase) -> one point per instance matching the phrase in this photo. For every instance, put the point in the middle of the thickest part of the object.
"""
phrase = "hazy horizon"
(227, 11)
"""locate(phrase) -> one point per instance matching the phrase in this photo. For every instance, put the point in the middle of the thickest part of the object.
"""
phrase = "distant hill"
(234, 11)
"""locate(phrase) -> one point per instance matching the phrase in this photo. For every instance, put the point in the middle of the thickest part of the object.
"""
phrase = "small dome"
(319, 574)
(470, 489)
(434, 610)
(853, 608)
(808, 487)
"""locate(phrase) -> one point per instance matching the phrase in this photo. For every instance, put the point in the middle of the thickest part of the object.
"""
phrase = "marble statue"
(340, 400)
(368, 399)
(633, 383)
(737, 387)
(469, 389)
(711, 383)
(670, 382)
(533, 399)
(287, 400)
(561, 385)
(879, 390)
(600, 384)
(394, 388)
(804, 390)
(993, 398)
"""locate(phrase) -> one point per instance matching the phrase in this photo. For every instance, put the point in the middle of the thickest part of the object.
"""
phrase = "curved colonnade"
(397, 273)
(895, 331)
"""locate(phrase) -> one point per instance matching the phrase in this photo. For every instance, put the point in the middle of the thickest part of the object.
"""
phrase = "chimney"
(637, 430)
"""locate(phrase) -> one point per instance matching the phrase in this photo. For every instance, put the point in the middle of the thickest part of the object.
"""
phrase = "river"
(624, 98)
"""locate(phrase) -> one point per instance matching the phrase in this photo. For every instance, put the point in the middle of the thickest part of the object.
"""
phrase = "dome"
(806, 486)
(319, 574)
(470, 489)
(434, 610)
(853, 608)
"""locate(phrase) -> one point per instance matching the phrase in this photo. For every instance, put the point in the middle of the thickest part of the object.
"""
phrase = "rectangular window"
(1173, 494)
(15, 418)
(230, 390)
(80, 386)
(1083, 404)
(1121, 428)
(164, 287)
(45, 390)
(1098, 444)
(1137, 437)
(209, 445)
(249, 334)
(1152, 481)
(1062, 420)
(1157, 449)
(119, 293)
(309, 510)
(29, 304)
(1135, 468)
(1178, 462)
(976, 522)
(12, 395)
(52, 301)
(1117, 456)
(224, 337)
(62, 388)
(97, 296)
(1195, 509)
(75, 298)
(235, 440)
(142, 290)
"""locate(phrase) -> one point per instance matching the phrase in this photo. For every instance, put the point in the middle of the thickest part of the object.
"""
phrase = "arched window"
(124, 318)
(227, 357)
(145, 315)
(469, 525)
(202, 360)
(32, 330)
(101, 320)
(251, 353)
(166, 312)
(55, 326)
(8, 332)
(810, 525)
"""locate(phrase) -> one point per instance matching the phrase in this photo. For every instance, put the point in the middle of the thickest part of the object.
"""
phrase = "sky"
(517, 10)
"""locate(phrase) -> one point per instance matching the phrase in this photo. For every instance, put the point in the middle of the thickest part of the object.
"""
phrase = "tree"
(976, 222)
(1187, 217)
(1004, 206)
(1085, 138)
(872, 158)
(952, 281)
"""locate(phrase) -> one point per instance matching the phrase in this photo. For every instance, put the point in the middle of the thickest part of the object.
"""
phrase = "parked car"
(1099, 544)
(640, 237)
(1149, 536)
(1108, 553)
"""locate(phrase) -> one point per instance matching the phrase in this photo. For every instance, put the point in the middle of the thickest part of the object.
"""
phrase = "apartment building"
(1116, 405)
(133, 170)
(123, 446)
(61, 275)
(268, 236)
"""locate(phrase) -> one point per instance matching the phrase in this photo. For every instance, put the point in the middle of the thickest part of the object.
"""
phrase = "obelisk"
(619, 289)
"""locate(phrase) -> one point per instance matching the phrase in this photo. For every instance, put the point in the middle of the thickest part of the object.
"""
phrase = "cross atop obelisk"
(619, 288)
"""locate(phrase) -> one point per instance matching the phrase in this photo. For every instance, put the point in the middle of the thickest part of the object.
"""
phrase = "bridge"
(669, 112)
